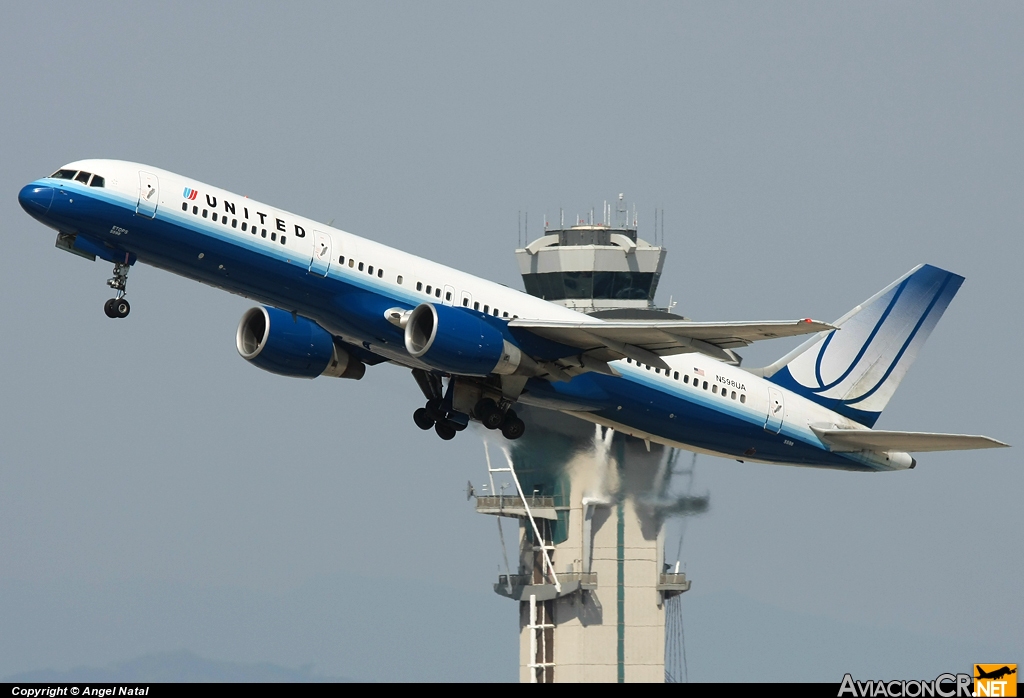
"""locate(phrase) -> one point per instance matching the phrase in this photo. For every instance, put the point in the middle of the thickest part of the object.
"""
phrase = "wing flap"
(910, 441)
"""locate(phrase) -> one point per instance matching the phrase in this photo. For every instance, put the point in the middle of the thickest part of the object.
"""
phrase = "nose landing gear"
(118, 306)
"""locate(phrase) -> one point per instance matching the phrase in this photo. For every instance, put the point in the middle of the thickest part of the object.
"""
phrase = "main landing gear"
(433, 416)
(439, 415)
(118, 306)
(492, 417)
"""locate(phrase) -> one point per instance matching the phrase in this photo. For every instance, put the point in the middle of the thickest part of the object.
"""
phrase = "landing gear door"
(776, 411)
(321, 260)
(149, 194)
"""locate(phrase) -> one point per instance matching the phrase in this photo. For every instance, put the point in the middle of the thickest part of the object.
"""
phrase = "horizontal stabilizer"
(910, 441)
(646, 340)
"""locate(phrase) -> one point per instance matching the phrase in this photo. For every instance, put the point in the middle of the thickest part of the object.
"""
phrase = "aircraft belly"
(644, 411)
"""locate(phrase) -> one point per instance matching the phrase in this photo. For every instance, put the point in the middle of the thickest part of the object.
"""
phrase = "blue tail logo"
(856, 369)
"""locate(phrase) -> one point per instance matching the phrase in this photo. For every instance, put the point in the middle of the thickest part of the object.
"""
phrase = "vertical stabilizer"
(855, 370)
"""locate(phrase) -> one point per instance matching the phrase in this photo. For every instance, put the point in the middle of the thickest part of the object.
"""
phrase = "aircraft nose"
(35, 199)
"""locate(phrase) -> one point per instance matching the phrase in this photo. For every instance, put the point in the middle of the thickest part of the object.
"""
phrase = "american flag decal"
(698, 371)
(190, 194)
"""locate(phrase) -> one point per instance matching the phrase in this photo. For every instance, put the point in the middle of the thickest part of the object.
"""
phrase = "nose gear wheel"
(118, 306)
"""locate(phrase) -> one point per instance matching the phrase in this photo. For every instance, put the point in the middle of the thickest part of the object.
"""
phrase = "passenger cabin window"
(205, 213)
(476, 305)
(437, 292)
(399, 279)
(429, 289)
(447, 295)
(419, 285)
(360, 266)
(184, 206)
(351, 262)
(487, 309)
(341, 259)
(743, 398)
(676, 375)
(214, 216)
(369, 270)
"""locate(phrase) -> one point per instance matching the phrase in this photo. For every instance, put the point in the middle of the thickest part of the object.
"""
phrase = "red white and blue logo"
(191, 194)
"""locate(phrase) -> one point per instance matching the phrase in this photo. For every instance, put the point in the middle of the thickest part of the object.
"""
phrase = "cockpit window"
(93, 180)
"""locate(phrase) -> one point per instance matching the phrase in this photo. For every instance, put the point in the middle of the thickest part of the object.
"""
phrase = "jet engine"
(458, 341)
(291, 345)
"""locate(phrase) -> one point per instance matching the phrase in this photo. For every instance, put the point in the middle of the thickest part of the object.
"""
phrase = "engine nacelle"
(457, 341)
(291, 345)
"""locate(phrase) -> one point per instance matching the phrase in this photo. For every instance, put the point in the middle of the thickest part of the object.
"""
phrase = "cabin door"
(149, 194)
(776, 411)
(320, 263)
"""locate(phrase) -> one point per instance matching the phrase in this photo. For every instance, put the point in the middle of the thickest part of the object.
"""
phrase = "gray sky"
(156, 491)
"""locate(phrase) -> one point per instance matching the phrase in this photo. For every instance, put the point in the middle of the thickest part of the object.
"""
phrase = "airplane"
(996, 674)
(333, 303)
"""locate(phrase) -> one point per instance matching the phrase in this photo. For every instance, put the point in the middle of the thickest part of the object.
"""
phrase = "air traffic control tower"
(590, 575)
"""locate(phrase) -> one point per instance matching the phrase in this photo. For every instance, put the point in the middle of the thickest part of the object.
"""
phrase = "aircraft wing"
(912, 441)
(646, 340)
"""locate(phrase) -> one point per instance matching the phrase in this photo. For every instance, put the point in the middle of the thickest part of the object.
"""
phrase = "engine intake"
(291, 345)
(457, 341)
